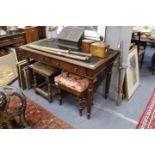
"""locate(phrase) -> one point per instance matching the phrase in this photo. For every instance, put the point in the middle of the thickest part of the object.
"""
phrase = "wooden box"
(99, 49)
(86, 45)
(71, 37)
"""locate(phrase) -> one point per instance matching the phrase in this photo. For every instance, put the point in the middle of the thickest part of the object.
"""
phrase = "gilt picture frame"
(8, 70)
(132, 73)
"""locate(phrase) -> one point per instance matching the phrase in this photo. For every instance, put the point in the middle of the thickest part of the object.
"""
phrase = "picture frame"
(132, 73)
(21, 78)
(8, 71)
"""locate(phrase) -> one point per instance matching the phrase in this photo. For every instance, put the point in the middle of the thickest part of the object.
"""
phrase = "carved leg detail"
(90, 98)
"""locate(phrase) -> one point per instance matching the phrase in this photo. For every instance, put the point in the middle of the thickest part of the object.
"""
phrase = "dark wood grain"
(14, 39)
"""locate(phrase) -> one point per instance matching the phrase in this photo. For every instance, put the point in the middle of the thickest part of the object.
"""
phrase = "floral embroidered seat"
(72, 81)
(73, 84)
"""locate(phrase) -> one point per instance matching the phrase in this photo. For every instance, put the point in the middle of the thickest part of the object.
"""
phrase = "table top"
(92, 63)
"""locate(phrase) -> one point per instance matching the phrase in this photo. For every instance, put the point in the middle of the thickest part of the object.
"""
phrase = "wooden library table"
(89, 69)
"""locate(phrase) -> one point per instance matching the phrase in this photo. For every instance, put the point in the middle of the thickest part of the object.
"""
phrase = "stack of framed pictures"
(26, 71)
(24, 75)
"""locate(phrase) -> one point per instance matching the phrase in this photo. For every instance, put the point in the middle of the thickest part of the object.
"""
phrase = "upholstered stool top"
(44, 69)
(72, 81)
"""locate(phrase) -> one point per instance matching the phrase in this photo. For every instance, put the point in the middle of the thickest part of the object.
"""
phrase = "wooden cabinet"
(31, 34)
(42, 32)
(34, 33)
(14, 39)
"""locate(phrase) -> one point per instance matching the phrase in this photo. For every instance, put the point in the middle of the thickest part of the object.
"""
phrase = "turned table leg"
(108, 80)
(90, 98)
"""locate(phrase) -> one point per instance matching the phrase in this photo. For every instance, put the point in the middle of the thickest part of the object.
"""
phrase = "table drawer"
(69, 67)
(57, 63)
(36, 57)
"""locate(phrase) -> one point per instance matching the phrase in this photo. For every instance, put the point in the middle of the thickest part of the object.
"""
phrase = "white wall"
(114, 36)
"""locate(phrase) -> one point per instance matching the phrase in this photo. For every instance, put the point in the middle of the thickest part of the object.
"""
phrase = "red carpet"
(147, 120)
(39, 117)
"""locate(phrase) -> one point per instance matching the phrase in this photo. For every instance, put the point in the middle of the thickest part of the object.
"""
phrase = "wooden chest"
(86, 43)
(99, 49)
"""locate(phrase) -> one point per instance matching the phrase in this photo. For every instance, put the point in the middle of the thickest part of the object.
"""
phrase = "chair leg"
(49, 89)
(81, 106)
(142, 59)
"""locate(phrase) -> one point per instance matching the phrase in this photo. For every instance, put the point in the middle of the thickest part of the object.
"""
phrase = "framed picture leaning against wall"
(132, 73)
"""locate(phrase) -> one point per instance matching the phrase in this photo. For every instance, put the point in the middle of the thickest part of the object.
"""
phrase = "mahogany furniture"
(41, 32)
(34, 33)
(14, 39)
(88, 69)
(31, 34)
(48, 73)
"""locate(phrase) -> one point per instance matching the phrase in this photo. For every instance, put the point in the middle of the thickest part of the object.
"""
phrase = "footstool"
(48, 73)
(73, 84)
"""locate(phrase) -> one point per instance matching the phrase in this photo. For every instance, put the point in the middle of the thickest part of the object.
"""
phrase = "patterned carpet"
(147, 120)
(37, 116)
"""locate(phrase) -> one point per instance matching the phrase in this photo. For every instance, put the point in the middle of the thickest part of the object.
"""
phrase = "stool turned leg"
(35, 81)
(60, 97)
(81, 106)
(49, 89)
